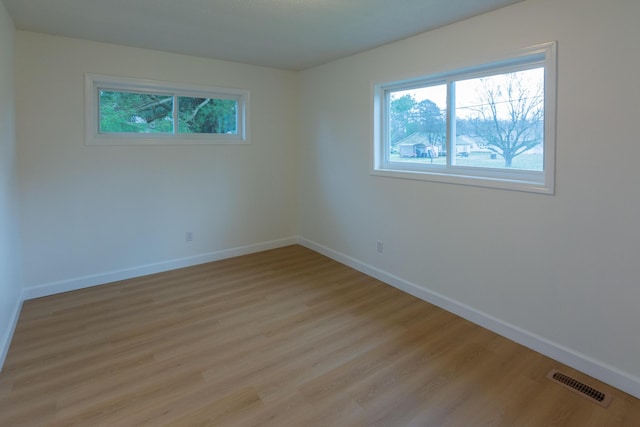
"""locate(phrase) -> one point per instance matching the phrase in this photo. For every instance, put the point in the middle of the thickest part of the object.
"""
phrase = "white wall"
(9, 220)
(92, 214)
(559, 272)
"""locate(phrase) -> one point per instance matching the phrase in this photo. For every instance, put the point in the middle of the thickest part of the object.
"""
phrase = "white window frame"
(96, 82)
(510, 179)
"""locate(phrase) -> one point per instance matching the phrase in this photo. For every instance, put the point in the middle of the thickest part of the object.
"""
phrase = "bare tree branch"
(514, 111)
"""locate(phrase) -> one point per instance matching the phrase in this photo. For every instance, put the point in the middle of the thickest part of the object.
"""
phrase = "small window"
(131, 111)
(491, 125)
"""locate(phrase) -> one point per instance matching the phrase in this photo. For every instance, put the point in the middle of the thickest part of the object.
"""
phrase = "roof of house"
(415, 138)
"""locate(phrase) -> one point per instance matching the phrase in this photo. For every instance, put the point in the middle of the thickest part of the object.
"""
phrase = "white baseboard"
(8, 334)
(53, 288)
(594, 368)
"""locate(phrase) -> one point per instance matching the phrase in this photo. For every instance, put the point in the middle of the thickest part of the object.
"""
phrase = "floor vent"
(581, 388)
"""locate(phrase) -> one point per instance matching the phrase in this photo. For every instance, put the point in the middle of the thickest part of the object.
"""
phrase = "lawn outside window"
(491, 125)
(125, 111)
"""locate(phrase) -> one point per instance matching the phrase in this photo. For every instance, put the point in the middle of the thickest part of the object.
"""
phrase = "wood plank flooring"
(281, 338)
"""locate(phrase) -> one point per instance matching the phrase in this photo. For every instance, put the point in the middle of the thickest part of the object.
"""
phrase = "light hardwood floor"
(281, 338)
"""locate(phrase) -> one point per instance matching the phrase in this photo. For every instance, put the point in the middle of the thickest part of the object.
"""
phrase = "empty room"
(319, 213)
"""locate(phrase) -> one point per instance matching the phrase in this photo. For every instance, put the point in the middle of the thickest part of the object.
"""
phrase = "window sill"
(106, 140)
(468, 180)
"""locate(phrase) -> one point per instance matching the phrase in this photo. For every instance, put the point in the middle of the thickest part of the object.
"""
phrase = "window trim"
(520, 180)
(95, 82)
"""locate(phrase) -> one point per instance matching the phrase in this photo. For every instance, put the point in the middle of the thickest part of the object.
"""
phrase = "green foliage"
(133, 112)
(430, 121)
(399, 117)
(407, 116)
(207, 115)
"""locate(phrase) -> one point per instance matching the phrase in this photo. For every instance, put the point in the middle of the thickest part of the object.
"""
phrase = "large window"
(132, 111)
(491, 125)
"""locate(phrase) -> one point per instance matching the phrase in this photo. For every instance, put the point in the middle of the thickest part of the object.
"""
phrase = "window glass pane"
(208, 115)
(417, 125)
(133, 112)
(500, 121)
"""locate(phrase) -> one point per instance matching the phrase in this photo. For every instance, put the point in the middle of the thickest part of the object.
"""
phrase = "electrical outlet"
(380, 246)
(189, 236)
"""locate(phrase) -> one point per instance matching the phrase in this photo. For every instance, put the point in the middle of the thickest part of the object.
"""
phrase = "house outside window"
(492, 125)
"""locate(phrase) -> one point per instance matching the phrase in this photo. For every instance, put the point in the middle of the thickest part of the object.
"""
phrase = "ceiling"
(289, 34)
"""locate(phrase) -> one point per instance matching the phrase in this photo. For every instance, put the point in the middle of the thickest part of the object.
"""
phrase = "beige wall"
(95, 213)
(559, 272)
(9, 226)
